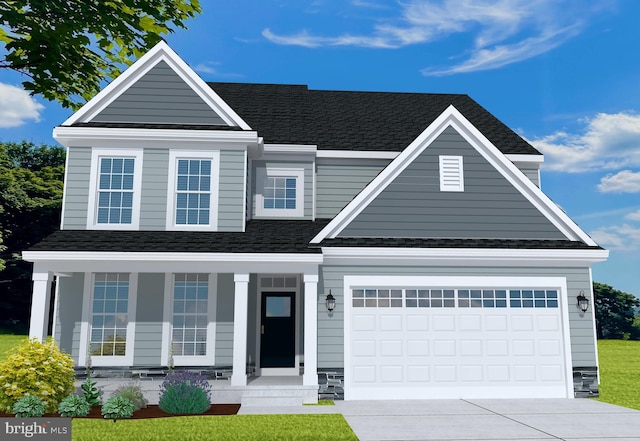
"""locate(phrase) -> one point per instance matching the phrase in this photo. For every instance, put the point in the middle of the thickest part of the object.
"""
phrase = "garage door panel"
(455, 352)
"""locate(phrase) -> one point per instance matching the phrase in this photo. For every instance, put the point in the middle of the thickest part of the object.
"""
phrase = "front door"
(278, 325)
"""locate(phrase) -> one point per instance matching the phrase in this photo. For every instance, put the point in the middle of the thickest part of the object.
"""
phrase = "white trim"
(472, 256)
(160, 52)
(290, 149)
(350, 154)
(176, 138)
(271, 172)
(94, 177)
(310, 349)
(245, 186)
(240, 322)
(525, 159)
(451, 173)
(167, 324)
(64, 190)
(85, 327)
(451, 117)
(174, 156)
(398, 281)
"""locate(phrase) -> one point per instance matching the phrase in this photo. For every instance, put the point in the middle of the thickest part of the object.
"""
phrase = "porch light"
(330, 302)
(583, 302)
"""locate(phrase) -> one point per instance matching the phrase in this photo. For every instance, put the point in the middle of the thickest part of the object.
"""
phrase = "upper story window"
(114, 193)
(193, 190)
(280, 192)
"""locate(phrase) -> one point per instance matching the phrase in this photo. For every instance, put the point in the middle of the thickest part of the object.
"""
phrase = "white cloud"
(608, 142)
(17, 106)
(618, 237)
(210, 68)
(625, 181)
(504, 31)
(635, 216)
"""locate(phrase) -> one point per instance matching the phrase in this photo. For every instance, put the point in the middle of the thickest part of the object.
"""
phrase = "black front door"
(278, 326)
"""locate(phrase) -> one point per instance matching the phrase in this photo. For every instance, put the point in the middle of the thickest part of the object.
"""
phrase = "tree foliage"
(615, 313)
(67, 47)
(31, 183)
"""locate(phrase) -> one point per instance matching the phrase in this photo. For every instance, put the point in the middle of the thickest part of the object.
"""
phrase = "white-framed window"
(280, 192)
(193, 190)
(189, 311)
(114, 189)
(110, 319)
(451, 173)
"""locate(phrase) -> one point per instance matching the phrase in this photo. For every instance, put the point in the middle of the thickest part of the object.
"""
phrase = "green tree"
(31, 182)
(615, 313)
(67, 47)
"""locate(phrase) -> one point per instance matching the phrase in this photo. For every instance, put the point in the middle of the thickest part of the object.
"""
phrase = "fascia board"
(160, 52)
(348, 154)
(93, 136)
(446, 256)
(525, 159)
(290, 149)
(95, 256)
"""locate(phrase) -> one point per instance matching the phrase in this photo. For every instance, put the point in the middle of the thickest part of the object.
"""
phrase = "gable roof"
(344, 120)
(451, 117)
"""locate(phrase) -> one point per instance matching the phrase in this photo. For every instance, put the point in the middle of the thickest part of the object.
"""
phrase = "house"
(210, 224)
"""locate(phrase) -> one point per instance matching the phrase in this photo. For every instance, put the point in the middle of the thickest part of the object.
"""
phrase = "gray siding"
(153, 198)
(231, 198)
(489, 207)
(531, 172)
(76, 188)
(224, 320)
(338, 183)
(308, 183)
(160, 96)
(69, 314)
(149, 311)
(331, 327)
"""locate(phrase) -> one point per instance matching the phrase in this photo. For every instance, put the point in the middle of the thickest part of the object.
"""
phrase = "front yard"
(619, 371)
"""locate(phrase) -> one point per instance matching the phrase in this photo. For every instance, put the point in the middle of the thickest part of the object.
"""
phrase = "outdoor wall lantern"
(583, 302)
(330, 302)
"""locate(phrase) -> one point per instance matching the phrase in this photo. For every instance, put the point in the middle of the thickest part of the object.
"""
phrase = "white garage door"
(452, 342)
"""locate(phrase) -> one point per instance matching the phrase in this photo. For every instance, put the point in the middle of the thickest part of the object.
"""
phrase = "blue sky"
(563, 74)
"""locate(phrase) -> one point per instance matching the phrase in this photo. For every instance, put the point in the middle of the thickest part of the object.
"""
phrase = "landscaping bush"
(133, 392)
(29, 406)
(117, 407)
(90, 390)
(185, 393)
(38, 369)
(73, 406)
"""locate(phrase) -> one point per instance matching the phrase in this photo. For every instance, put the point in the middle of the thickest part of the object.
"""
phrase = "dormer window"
(280, 192)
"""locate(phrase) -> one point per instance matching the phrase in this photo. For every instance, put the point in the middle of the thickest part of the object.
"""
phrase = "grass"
(323, 403)
(8, 341)
(228, 428)
(619, 371)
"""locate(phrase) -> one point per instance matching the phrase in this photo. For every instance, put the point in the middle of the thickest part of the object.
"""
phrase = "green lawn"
(619, 371)
(8, 341)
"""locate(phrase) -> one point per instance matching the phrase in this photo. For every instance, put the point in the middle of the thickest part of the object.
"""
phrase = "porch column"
(39, 321)
(310, 376)
(240, 313)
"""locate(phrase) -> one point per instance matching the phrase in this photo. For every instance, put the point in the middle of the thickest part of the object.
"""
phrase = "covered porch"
(239, 285)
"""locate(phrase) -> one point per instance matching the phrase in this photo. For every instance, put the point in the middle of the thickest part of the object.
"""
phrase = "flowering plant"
(185, 392)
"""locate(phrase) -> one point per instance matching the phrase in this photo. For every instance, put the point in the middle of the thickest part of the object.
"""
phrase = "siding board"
(149, 318)
(76, 188)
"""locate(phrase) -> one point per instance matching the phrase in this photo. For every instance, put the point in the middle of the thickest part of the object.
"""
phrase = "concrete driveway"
(495, 420)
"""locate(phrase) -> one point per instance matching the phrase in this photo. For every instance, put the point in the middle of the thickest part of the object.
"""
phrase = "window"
(190, 314)
(114, 190)
(193, 190)
(109, 314)
(279, 192)
(451, 173)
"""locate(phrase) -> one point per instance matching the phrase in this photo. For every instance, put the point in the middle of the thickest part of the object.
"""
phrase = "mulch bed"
(151, 411)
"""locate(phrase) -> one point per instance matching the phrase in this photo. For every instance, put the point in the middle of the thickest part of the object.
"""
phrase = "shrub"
(133, 392)
(73, 406)
(90, 390)
(117, 407)
(39, 369)
(185, 392)
(29, 406)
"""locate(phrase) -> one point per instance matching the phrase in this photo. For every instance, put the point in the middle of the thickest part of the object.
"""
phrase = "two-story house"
(400, 238)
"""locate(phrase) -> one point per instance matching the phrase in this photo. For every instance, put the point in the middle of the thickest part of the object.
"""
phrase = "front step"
(279, 395)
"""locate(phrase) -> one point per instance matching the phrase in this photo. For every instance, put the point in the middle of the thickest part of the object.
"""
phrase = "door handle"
(262, 329)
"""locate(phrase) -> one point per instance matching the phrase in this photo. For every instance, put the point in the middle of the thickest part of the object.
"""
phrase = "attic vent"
(451, 173)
